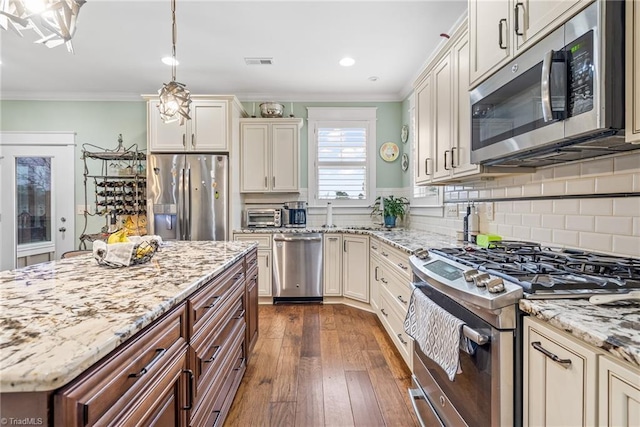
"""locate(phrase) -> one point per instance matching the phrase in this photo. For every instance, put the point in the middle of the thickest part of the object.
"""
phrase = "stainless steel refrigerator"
(187, 196)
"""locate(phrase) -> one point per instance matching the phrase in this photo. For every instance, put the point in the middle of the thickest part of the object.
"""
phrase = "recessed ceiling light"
(373, 78)
(169, 60)
(347, 62)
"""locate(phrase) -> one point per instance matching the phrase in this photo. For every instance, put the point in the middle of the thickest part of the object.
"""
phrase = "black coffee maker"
(295, 214)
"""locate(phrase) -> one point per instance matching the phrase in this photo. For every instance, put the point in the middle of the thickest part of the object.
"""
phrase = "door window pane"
(33, 199)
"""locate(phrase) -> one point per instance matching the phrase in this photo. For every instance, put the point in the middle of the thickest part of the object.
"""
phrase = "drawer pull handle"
(401, 340)
(402, 300)
(375, 248)
(239, 364)
(385, 254)
(383, 280)
(237, 277)
(255, 277)
(538, 346)
(384, 312)
(240, 314)
(159, 353)
(190, 387)
(402, 266)
(214, 355)
(375, 273)
(333, 239)
(213, 302)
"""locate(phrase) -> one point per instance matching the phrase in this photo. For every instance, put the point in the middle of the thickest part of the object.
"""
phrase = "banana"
(119, 236)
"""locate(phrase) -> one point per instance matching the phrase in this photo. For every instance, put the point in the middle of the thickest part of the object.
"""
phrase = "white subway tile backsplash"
(596, 167)
(505, 230)
(505, 181)
(514, 191)
(522, 179)
(596, 206)
(568, 206)
(522, 233)
(474, 195)
(567, 171)
(579, 223)
(627, 245)
(542, 174)
(485, 194)
(596, 242)
(626, 164)
(522, 206)
(553, 188)
(636, 226)
(614, 225)
(499, 217)
(626, 206)
(554, 222)
(542, 206)
(503, 207)
(498, 192)
(614, 184)
(532, 190)
(532, 220)
(542, 235)
(636, 182)
(513, 219)
(581, 186)
(566, 238)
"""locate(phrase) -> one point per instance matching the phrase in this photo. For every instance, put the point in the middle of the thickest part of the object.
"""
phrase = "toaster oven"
(260, 217)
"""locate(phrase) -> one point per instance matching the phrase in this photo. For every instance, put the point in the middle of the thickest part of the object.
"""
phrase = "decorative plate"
(404, 135)
(389, 151)
(405, 161)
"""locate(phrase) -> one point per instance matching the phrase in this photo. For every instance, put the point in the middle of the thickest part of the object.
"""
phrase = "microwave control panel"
(580, 64)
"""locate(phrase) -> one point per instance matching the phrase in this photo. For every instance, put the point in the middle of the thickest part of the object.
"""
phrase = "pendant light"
(174, 96)
(53, 20)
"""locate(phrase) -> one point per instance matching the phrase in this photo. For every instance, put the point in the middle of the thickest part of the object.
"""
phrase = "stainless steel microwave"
(561, 100)
(263, 217)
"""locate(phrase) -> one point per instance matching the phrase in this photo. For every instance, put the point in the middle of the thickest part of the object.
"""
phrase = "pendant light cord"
(174, 36)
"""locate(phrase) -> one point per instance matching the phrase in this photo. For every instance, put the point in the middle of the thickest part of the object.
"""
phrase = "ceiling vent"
(259, 61)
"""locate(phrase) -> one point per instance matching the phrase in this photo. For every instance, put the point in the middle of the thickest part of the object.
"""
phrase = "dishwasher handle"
(297, 239)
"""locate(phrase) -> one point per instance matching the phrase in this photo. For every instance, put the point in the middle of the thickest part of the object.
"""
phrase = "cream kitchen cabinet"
(332, 264)
(500, 30)
(209, 129)
(424, 130)
(633, 71)
(269, 155)
(265, 260)
(618, 393)
(355, 267)
(559, 378)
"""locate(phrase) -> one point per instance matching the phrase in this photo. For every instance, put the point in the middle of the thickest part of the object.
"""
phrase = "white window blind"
(342, 163)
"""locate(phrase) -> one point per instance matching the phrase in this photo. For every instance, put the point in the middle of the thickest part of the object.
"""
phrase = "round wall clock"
(404, 135)
(389, 151)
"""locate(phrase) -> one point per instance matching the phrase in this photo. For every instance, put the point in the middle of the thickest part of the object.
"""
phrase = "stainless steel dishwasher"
(297, 269)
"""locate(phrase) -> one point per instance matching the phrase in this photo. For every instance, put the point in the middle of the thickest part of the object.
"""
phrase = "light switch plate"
(452, 211)
(488, 211)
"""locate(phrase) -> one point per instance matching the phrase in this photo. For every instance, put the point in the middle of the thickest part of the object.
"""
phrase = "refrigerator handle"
(181, 203)
(187, 205)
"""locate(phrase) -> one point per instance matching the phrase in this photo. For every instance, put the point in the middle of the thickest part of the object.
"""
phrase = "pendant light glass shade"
(53, 20)
(175, 99)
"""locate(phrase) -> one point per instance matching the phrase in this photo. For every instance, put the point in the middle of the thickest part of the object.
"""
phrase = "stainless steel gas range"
(482, 287)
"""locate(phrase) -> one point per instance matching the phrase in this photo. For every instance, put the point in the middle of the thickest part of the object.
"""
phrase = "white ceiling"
(118, 46)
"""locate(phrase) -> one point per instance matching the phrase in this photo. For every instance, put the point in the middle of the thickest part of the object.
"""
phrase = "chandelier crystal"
(174, 96)
(53, 20)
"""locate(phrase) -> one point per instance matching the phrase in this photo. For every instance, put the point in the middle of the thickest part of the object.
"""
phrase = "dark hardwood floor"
(322, 365)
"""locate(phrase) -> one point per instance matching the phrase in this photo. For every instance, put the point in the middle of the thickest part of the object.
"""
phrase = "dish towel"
(436, 331)
(115, 254)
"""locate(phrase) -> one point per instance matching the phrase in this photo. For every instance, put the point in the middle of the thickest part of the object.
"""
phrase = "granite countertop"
(59, 318)
(614, 328)
(402, 238)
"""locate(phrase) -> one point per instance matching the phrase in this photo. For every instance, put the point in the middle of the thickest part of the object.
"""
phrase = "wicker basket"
(142, 253)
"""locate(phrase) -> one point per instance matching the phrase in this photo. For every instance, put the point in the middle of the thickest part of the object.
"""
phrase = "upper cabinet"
(209, 129)
(633, 71)
(500, 30)
(269, 155)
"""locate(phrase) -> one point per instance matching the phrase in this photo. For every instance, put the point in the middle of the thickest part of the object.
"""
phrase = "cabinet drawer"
(208, 300)
(118, 380)
(374, 246)
(397, 259)
(251, 261)
(395, 326)
(398, 291)
(264, 240)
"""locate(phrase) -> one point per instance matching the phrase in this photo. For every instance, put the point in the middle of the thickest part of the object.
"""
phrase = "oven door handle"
(474, 335)
(416, 394)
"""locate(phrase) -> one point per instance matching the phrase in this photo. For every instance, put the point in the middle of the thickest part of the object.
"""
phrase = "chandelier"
(53, 20)
(174, 96)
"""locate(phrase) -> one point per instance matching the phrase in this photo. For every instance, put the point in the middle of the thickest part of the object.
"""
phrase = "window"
(341, 156)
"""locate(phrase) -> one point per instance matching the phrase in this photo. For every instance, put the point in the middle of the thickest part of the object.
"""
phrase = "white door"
(37, 221)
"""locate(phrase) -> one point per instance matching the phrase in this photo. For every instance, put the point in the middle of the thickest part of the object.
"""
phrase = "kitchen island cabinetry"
(265, 257)
(355, 267)
(633, 71)
(501, 30)
(269, 155)
(559, 378)
(209, 130)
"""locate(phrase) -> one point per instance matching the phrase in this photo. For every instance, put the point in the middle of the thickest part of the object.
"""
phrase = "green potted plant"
(394, 207)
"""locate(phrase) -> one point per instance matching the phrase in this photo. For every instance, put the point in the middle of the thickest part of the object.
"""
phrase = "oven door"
(483, 393)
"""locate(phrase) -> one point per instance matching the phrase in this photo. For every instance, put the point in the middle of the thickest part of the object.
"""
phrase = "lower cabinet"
(182, 370)
(332, 264)
(355, 267)
(618, 394)
(265, 260)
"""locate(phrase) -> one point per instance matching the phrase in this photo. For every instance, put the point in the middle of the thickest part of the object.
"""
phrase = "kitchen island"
(60, 318)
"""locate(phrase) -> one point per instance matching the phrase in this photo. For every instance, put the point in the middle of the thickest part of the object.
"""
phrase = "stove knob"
(468, 275)
(481, 279)
(495, 285)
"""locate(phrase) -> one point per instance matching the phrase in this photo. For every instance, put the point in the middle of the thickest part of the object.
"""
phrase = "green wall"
(389, 124)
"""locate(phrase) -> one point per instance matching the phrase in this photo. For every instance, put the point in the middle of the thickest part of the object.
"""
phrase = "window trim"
(333, 115)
